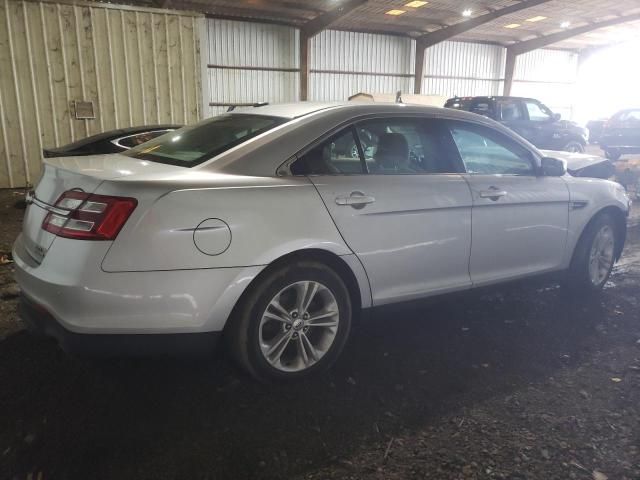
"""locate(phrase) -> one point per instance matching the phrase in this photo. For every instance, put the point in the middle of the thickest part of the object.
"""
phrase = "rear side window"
(335, 156)
(386, 146)
(458, 103)
(404, 146)
(508, 110)
(485, 151)
(197, 143)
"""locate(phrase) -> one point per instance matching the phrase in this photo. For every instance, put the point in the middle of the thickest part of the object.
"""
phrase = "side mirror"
(553, 167)
(556, 117)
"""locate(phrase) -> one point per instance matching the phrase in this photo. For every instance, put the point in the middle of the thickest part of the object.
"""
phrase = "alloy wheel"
(601, 257)
(299, 326)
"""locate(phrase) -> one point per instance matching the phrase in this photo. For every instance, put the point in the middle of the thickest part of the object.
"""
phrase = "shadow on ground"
(71, 418)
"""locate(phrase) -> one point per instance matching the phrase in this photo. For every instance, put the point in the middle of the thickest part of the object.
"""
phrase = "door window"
(482, 107)
(631, 117)
(489, 152)
(537, 112)
(338, 155)
(393, 146)
(508, 110)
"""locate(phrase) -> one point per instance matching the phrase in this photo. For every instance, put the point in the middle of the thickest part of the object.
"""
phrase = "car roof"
(492, 97)
(287, 110)
(345, 109)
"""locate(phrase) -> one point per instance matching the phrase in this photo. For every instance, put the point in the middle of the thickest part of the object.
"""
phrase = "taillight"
(85, 216)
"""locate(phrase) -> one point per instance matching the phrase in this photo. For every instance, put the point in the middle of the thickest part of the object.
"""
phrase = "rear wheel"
(594, 256)
(574, 147)
(294, 322)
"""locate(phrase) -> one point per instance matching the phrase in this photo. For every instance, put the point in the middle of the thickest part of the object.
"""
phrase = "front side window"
(197, 143)
(632, 117)
(489, 152)
(403, 146)
(537, 112)
(508, 110)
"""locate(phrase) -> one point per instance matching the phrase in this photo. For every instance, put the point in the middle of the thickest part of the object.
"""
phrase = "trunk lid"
(74, 173)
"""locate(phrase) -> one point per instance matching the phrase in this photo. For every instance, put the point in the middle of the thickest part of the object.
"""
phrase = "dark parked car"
(596, 127)
(113, 141)
(621, 134)
(529, 118)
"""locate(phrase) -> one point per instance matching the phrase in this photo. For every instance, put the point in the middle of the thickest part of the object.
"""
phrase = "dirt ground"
(519, 383)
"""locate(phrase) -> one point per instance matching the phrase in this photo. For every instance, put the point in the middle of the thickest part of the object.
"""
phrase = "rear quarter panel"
(267, 218)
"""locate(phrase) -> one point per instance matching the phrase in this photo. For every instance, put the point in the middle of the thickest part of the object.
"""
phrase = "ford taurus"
(274, 226)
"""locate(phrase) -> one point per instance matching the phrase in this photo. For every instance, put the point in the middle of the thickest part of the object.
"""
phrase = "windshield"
(194, 144)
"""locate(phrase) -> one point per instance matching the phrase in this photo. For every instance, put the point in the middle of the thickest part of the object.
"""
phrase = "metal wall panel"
(549, 76)
(345, 63)
(239, 53)
(138, 66)
(465, 69)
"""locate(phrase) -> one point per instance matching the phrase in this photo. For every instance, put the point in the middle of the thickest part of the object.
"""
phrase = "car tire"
(574, 147)
(594, 255)
(275, 337)
(612, 155)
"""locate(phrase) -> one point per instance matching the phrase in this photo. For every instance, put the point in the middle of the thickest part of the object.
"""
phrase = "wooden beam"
(305, 46)
(509, 71)
(541, 42)
(322, 21)
(419, 63)
(446, 33)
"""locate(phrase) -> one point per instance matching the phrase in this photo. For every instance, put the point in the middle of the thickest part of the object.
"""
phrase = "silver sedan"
(274, 226)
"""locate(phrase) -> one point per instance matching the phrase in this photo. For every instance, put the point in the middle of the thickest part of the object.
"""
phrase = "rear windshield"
(194, 144)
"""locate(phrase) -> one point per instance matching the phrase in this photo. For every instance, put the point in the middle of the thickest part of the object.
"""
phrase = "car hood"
(584, 164)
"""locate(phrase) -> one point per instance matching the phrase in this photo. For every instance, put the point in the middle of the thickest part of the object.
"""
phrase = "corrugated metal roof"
(436, 14)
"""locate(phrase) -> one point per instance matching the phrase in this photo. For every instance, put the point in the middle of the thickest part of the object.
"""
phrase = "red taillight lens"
(84, 216)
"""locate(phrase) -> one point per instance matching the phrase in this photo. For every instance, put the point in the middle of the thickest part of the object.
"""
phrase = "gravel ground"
(517, 383)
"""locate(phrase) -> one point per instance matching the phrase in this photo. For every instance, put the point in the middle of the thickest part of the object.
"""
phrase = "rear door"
(520, 219)
(400, 205)
(542, 131)
(630, 130)
(512, 114)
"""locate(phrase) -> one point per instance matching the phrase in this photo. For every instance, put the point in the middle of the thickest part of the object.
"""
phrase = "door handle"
(493, 193)
(355, 200)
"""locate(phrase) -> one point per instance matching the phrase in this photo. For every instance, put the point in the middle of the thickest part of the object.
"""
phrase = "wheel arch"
(620, 219)
(357, 291)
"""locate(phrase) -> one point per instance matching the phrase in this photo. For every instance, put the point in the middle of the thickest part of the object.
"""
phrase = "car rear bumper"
(40, 321)
(83, 299)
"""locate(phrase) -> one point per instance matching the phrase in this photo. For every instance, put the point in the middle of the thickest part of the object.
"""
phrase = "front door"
(398, 203)
(520, 218)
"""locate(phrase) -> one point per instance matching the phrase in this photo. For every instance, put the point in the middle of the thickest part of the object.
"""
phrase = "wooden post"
(304, 66)
(419, 73)
(509, 71)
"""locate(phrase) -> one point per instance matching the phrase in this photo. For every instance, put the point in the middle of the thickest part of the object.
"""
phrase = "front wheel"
(594, 256)
(574, 147)
(294, 322)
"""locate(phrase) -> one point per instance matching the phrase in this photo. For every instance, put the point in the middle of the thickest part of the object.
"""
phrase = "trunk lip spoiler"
(30, 198)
